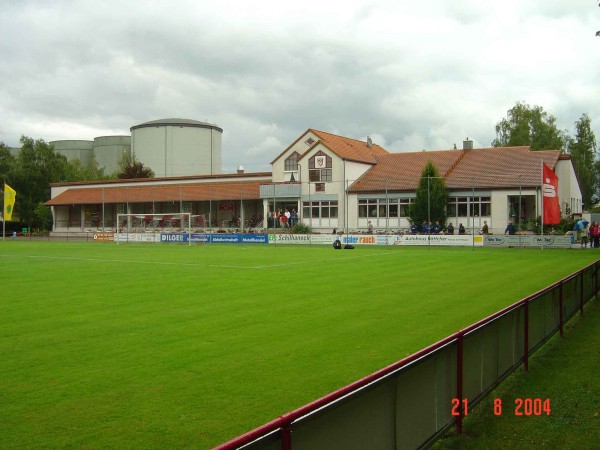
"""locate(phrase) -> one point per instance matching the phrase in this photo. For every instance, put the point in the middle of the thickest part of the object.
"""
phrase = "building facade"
(333, 182)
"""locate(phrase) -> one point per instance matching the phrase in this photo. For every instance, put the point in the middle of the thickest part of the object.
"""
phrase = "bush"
(300, 228)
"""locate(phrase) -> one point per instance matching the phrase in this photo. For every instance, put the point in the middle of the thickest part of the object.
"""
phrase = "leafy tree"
(431, 197)
(583, 155)
(34, 168)
(532, 126)
(7, 161)
(134, 169)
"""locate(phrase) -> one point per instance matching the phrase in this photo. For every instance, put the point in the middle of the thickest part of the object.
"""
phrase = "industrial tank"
(75, 149)
(178, 147)
(109, 151)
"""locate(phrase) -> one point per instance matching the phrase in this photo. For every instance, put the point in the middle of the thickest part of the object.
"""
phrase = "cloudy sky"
(411, 74)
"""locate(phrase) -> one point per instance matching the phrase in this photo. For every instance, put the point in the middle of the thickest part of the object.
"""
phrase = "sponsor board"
(199, 237)
(292, 239)
(137, 237)
(174, 237)
(561, 241)
(225, 238)
(359, 239)
(460, 240)
(255, 239)
(104, 236)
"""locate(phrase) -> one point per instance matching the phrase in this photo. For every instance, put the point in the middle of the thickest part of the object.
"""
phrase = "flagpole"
(3, 209)
(542, 198)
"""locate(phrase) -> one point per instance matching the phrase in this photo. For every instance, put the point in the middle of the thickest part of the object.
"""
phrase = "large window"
(319, 167)
(291, 163)
(380, 207)
(469, 207)
(325, 209)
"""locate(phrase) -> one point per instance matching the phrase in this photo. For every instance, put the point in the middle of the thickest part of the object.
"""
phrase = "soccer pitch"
(170, 346)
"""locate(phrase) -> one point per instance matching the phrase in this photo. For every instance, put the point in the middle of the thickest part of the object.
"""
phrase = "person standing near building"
(369, 227)
(485, 229)
(288, 216)
(585, 234)
(510, 229)
(293, 218)
(450, 229)
(461, 228)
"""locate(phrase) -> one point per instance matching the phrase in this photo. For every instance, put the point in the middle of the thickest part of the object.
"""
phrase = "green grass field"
(171, 346)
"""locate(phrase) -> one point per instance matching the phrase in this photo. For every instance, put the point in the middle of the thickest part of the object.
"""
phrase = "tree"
(131, 168)
(431, 197)
(583, 155)
(532, 126)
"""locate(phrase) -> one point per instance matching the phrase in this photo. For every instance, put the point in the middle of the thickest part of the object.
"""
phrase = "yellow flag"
(9, 201)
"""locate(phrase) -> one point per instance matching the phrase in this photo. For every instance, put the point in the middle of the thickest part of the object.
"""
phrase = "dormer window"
(291, 163)
(309, 141)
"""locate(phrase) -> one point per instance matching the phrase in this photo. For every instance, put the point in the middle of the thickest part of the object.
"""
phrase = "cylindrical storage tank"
(178, 147)
(72, 150)
(109, 151)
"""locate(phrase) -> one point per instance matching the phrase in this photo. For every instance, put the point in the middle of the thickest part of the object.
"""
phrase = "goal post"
(137, 227)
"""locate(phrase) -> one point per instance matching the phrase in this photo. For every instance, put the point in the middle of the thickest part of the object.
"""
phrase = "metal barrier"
(413, 402)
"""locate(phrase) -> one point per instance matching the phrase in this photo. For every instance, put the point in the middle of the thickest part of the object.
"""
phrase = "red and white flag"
(550, 196)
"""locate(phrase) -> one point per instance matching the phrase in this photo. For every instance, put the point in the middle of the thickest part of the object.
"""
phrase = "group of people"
(282, 218)
(590, 234)
(429, 228)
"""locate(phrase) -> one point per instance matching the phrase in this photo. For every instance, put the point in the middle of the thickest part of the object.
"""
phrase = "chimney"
(240, 169)
(369, 142)
(467, 144)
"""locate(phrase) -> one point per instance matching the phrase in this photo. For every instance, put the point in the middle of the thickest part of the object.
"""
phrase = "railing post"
(286, 436)
(581, 293)
(459, 381)
(526, 337)
(561, 317)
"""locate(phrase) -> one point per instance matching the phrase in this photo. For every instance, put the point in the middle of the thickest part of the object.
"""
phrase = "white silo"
(75, 149)
(109, 151)
(178, 147)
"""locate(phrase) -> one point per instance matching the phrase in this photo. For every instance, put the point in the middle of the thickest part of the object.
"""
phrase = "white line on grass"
(175, 263)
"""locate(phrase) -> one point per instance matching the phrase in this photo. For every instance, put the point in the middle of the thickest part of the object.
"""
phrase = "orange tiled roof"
(402, 171)
(147, 194)
(499, 167)
(350, 149)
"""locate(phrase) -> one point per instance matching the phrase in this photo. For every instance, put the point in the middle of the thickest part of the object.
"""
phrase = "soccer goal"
(166, 227)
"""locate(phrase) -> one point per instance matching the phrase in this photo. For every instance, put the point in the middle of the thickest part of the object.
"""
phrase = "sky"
(412, 75)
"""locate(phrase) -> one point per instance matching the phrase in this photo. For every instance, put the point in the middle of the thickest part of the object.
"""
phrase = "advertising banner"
(225, 238)
(102, 236)
(562, 241)
(460, 240)
(174, 237)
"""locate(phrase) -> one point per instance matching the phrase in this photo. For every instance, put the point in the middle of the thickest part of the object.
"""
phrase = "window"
(309, 141)
(319, 167)
(319, 187)
(469, 206)
(325, 209)
(373, 207)
(291, 163)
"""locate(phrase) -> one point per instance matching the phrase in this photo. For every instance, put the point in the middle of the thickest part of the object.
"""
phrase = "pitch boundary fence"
(408, 404)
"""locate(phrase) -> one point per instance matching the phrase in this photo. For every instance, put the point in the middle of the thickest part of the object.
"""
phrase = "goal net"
(166, 227)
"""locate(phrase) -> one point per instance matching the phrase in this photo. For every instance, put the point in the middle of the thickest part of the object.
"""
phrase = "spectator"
(369, 227)
(461, 229)
(485, 229)
(293, 218)
(413, 228)
(594, 235)
(437, 228)
(585, 234)
(510, 229)
(450, 229)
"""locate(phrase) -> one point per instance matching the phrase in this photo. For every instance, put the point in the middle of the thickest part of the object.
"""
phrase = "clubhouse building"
(331, 182)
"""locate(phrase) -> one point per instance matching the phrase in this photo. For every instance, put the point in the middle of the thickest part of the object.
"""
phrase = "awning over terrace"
(247, 190)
